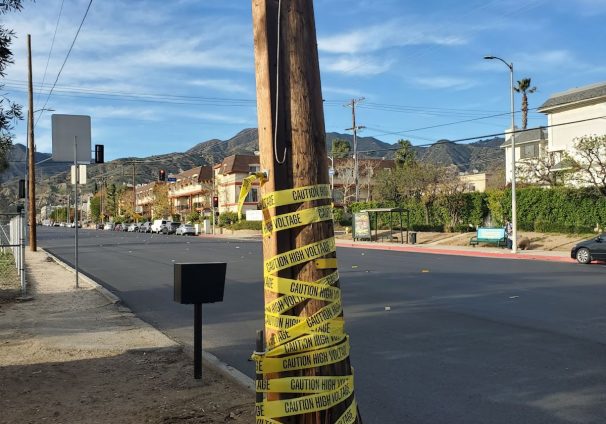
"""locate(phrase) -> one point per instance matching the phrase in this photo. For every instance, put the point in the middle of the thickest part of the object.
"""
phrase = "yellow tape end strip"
(330, 263)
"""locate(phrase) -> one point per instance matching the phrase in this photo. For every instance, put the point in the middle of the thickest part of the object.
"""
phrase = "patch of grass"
(9, 278)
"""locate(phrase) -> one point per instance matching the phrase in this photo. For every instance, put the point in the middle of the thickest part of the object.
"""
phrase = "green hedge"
(246, 225)
(560, 210)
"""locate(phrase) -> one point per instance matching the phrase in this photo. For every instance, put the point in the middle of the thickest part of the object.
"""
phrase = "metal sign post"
(72, 131)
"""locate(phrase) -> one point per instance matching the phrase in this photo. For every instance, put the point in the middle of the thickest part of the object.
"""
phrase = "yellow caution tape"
(304, 404)
(291, 220)
(330, 263)
(246, 186)
(295, 195)
(301, 343)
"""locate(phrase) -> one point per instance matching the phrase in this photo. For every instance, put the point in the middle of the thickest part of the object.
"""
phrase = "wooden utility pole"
(355, 128)
(31, 189)
(289, 105)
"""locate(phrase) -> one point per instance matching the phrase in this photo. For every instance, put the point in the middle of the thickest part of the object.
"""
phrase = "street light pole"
(514, 220)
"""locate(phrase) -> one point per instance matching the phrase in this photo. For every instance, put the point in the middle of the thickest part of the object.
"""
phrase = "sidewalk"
(74, 356)
(478, 251)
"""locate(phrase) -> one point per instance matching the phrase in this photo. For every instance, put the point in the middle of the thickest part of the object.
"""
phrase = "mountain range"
(479, 156)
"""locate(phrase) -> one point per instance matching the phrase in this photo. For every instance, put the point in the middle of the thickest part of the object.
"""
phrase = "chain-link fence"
(12, 256)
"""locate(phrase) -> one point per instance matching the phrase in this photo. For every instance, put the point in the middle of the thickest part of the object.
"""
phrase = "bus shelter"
(374, 213)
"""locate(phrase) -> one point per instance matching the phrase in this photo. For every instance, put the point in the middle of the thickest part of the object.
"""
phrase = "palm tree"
(524, 88)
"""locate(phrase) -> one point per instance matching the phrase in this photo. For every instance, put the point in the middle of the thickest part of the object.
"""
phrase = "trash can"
(412, 238)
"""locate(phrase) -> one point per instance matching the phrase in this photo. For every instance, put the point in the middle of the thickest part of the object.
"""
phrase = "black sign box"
(200, 282)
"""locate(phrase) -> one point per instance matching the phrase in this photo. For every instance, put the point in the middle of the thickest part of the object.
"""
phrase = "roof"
(527, 136)
(204, 173)
(238, 163)
(575, 95)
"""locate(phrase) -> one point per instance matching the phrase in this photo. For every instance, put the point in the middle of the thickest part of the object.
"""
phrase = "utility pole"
(134, 191)
(355, 129)
(290, 114)
(31, 192)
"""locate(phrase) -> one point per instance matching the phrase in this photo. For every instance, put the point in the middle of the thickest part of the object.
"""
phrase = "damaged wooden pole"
(293, 155)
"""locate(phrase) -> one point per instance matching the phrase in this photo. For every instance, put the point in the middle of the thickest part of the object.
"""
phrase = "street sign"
(331, 171)
(171, 179)
(81, 177)
(68, 132)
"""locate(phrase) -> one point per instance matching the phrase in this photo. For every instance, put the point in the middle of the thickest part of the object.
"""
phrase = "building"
(192, 191)
(145, 199)
(570, 114)
(530, 144)
(229, 175)
(475, 181)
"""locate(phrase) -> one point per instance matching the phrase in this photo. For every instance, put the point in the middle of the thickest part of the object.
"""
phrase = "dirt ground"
(72, 356)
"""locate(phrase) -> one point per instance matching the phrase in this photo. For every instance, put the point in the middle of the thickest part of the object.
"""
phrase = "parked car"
(590, 250)
(185, 230)
(145, 227)
(171, 227)
(133, 228)
(159, 225)
(108, 227)
(118, 227)
(99, 226)
(125, 226)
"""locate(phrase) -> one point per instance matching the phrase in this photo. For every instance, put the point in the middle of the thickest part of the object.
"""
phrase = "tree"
(95, 208)
(161, 204)
(111, 201)
(549, 169)
(587, 161)
(340, 148)
(524, 88)
(452, 196)
(344, 171)
(405, 155)
(10, 112)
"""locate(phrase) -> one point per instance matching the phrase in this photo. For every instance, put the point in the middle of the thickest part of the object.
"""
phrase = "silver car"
(185, 230)
(133, 228)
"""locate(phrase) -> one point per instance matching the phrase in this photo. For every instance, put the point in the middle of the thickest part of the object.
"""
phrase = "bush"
(426, 227)
(228, 218)
(246, 225)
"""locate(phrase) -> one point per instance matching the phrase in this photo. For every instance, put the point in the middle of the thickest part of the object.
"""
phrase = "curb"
(211, 360)
(454, 252)
(105, 292)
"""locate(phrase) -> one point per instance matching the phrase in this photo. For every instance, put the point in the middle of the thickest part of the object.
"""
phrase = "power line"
(51, 47)
(65, 61)
(490, 135)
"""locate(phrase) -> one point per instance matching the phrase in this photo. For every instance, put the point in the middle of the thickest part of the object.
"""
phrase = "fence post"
(23, 286)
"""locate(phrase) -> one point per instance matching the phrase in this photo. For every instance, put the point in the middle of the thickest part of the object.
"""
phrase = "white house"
(570, 114)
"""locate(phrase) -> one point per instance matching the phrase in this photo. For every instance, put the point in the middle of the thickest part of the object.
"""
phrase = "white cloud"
(349, 92)
(360, 65)
(443, 82)
(390, 34)
(224, 85)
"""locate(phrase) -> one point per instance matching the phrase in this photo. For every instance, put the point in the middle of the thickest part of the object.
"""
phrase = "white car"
(185, 230)
(159, 225)
(133, 228)
(108, 227)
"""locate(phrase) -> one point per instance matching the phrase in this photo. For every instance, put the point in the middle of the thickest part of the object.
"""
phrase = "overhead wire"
(50, 52)
(64, 62)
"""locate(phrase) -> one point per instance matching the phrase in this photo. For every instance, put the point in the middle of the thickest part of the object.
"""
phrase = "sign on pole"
(81, 177)
(66, 129)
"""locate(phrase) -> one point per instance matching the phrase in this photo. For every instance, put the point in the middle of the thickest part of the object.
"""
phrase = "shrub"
(228, 218)
(246, 225)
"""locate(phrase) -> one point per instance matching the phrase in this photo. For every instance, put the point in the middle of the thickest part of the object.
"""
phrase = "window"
(530, 150)
(253, 196)
(254, 168)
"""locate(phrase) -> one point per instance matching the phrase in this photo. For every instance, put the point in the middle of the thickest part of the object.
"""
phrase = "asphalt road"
(466, 340)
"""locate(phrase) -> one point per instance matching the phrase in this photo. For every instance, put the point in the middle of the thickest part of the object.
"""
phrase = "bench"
(489, 235)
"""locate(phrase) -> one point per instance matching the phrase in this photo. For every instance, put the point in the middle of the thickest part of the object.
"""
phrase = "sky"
(161, 76)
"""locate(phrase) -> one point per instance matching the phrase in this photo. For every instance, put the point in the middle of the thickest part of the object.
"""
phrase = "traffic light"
(162, 175)
(99, 153)
(21, 189)
(215, 202)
